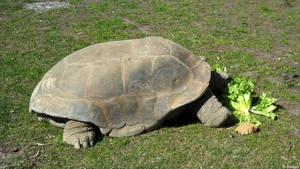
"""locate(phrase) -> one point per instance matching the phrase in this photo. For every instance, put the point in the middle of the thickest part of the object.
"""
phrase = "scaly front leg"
(212, 113)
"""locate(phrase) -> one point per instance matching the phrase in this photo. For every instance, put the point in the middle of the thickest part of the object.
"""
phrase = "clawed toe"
(85, 144)
(79, 134)
(76, 143)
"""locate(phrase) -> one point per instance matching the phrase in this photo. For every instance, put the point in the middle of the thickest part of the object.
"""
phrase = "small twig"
(37, 154)
(282, 157)
(40, 144)
(289, 146)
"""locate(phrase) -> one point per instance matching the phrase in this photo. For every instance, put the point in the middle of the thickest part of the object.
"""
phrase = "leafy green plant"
(265, 106)
(218, 67)
(238, 98)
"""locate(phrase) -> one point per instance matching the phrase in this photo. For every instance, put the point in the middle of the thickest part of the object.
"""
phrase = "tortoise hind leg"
(75, 133)
(79, 134)
(212, 113)
(58, 122)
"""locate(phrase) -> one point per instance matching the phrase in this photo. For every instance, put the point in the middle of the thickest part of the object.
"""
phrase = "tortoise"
(126, 88)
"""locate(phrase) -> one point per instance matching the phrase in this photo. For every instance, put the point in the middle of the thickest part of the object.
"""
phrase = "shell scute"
(130, 107)
(147, 111)
(113, 110)
(169, 74)
(138, 75)
(184, 55)
(105, 81)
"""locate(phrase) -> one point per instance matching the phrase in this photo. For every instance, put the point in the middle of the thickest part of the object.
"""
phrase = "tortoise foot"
(212, 113)
(79, 134)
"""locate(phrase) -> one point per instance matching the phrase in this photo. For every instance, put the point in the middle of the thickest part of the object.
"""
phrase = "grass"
(255, 39)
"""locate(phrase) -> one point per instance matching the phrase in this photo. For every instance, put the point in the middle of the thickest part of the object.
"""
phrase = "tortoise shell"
(122, 82)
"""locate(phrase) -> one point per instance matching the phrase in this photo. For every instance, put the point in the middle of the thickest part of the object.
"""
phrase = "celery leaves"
(238, 98)
(218, 67)
(265, 106)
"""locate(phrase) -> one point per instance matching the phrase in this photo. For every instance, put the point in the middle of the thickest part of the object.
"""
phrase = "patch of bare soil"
(24, 156)
(7, 153)
(249, 73)
(44, 6)
(200, 24)
(140, 28)
(292, 107)
(280, 54)
(296, 132)
(90, 1)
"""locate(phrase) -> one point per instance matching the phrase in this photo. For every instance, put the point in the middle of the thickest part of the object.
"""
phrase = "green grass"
(245, 36)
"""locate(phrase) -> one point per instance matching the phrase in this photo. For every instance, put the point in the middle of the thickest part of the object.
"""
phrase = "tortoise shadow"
(184, 115)
(181, 120)
(187, 114)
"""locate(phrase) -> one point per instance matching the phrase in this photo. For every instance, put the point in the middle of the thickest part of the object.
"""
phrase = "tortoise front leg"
(79, 134)
(211, 112)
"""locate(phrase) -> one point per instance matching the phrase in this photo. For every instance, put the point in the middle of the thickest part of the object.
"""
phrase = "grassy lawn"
(259, 40)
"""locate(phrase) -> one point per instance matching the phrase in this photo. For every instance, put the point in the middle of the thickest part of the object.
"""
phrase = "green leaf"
(237, 98)
(243, 103)
(237, 87)
(218, 67)
(241, 118)
(265, 106)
